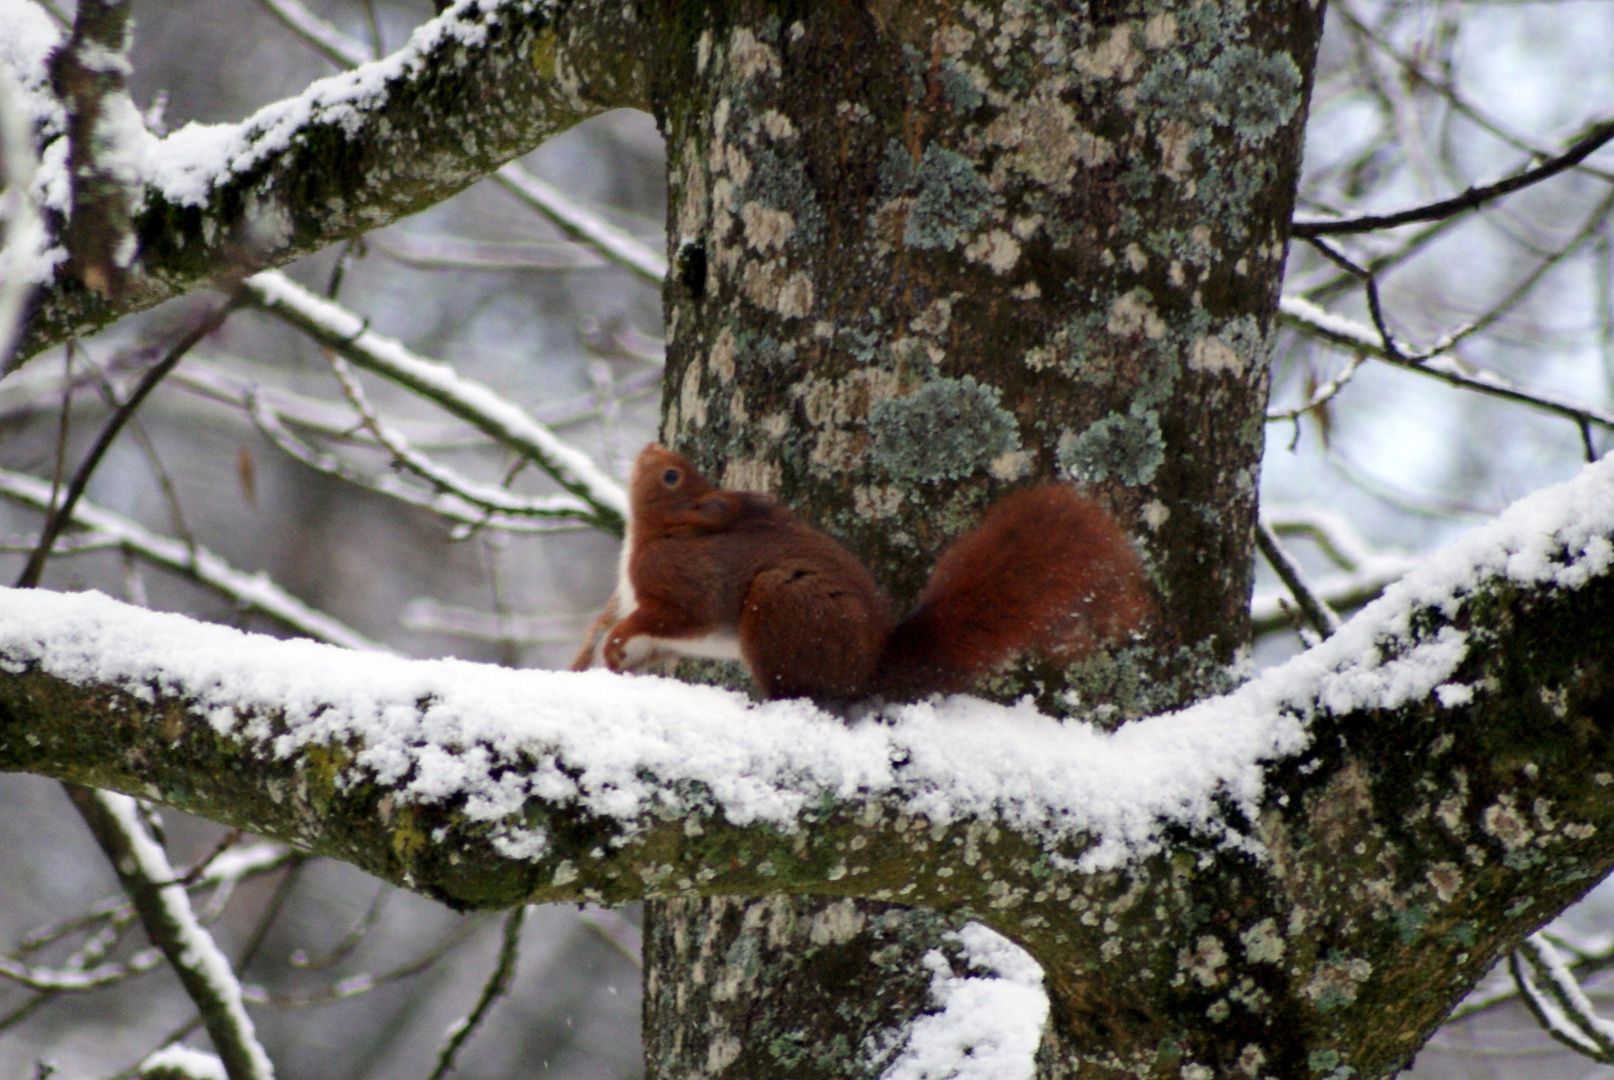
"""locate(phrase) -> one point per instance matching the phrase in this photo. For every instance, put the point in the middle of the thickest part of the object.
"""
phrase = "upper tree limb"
(474, 88)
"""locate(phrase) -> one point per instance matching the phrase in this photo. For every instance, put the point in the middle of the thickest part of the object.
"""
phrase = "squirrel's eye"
(671, 477)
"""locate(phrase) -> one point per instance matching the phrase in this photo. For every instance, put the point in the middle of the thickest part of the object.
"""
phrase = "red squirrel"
(733, 575)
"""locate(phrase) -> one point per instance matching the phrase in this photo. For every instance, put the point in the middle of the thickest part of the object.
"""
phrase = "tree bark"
(925, 253)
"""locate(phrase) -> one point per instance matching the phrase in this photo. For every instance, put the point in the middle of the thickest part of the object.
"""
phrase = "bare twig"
(497, 984)
(1352, 335)
(583, 225)
(60, 515)
(1317, 612)
(363, 984)
(350, 941)
(254, 592)
(1598, 135)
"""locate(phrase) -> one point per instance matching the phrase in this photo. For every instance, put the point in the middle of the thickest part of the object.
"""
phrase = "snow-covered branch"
(253, 592)
(164, 909)
(486, 81)
(1437, 362)
(599, 499)
(487, 786)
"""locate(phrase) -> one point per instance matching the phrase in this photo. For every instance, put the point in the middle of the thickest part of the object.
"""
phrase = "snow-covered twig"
(1558, 1003)
(498, 983)
(1356, 337)
(584, 225)
(444, 504)
(255, 592)
(59, 513)
(73, 979)
(605, 502)
(1322, 395)
(337, 47)
(488, 498)
(1365, 572)
(165, 912)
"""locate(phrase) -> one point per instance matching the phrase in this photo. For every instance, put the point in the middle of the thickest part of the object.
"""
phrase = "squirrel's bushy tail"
(1047, 571)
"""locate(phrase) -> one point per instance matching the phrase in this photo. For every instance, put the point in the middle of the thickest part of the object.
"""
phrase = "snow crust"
(623, 746)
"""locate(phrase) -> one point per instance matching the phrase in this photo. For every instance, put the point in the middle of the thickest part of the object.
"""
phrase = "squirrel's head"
(664, 483)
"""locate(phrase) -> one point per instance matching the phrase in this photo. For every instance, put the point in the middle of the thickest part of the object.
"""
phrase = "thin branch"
(1322, 395)
(358, 985)
(73, 979)
(1314, 608)
(253, 592)
(583, 225)
(444, 504)
(1596, 137)
(453, 253)
(1559, 1005)
(610, 927)
(605, 503)
(350, 941)
(498, 983)
(486, 497)
(1352, 335)
(315, 32)
(60, 515)
(165, 913)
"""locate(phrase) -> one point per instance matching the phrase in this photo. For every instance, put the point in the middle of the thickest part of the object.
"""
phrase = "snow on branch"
(1435, 361)
(602, 499)
(607, 786)
(254, 592)
(482, 83)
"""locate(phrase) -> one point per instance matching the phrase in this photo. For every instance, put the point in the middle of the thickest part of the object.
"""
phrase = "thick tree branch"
(1412, 796)
(479, 85)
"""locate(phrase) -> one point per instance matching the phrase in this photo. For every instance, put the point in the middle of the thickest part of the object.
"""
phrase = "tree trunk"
(923, 254)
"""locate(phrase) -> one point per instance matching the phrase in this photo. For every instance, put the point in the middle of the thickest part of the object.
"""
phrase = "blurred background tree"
(346, 506)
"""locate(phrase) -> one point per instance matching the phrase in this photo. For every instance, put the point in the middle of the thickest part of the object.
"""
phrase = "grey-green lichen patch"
(780, 183)
(1128, 447)
(951, 200)
(1252, 92)
(946, 430)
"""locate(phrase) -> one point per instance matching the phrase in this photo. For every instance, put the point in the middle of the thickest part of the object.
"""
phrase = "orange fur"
(1047, 571)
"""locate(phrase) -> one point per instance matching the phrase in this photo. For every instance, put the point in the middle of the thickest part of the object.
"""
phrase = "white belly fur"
(716, 645)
